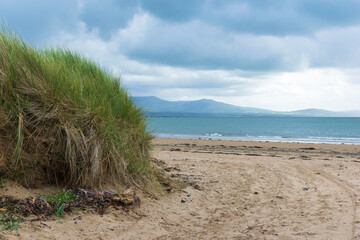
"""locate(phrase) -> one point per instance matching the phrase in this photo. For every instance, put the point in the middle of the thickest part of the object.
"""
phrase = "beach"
(235, 190)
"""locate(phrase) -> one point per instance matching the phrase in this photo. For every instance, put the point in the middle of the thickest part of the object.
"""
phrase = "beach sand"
(238, 190)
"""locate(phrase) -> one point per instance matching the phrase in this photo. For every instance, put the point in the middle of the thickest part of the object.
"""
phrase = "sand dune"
(239, 190)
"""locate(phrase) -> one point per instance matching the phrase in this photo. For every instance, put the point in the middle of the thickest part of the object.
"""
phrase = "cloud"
(108, 16)
(337, 47)
(325, 88)
(89, 43)
(38, 19)
(173, 10)
(279, 18)
(199, 45)
(204, 34)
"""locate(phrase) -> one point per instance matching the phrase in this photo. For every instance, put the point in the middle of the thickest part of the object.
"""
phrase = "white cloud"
(326, 88)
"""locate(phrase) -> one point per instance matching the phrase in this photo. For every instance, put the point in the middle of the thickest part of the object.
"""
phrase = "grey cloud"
(204, 34)
(108, 16)
(198, 45)
(337, 48)
(174, 10)
(301, 17)
(280, 17)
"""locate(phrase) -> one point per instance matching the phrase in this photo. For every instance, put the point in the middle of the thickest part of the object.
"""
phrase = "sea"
(334, 130)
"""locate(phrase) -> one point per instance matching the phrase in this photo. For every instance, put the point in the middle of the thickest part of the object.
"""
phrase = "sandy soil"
(239, 190)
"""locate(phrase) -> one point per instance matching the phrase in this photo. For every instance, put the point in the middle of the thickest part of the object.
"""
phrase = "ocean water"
(272, 129)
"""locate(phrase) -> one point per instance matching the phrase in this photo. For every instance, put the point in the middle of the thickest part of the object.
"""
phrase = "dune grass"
(65, 120)
(9, 222)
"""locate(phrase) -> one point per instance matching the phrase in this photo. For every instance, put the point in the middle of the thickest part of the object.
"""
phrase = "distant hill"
(313, 112)
(210, 108)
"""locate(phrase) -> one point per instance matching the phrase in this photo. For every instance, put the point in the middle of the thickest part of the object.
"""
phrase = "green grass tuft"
(61, 197)
(9, 223)
(65, 120)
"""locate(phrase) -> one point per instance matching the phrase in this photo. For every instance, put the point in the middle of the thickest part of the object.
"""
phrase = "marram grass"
(65, 120)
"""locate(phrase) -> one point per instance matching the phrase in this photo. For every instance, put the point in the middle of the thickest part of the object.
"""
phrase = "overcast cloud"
(280, 55)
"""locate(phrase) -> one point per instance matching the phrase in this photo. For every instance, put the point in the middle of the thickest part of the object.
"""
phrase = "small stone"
(182, 201)
(305, 189)
(175, 149)
(189, 195)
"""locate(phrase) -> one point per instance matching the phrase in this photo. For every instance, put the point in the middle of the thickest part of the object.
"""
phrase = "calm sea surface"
(306, 130)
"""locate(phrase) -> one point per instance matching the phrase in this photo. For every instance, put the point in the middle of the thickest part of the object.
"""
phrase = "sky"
(280, 55)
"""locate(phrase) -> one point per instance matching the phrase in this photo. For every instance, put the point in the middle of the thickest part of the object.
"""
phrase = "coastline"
(273, 139)
(345, 148)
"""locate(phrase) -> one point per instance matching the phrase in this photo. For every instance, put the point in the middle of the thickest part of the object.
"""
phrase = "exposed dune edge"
(69, 121)
(240, 190)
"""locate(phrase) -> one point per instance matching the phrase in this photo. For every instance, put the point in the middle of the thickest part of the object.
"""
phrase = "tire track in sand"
(353, 193)
(318, 205)
(313, 173)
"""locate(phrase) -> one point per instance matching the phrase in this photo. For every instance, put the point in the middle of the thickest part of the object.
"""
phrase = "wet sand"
(238, 190)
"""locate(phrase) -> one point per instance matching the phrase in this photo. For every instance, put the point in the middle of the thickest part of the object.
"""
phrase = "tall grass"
(65, 120)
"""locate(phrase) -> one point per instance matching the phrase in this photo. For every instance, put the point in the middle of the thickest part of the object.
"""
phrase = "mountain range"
(154, 106)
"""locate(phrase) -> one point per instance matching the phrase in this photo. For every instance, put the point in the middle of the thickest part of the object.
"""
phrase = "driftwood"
(85, 199)
(126, 198)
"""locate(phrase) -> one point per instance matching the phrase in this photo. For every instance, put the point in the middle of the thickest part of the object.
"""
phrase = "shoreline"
(267, 147)
(256, 141)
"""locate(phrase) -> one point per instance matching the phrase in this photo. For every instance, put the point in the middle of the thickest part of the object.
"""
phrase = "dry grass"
(65, 120)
